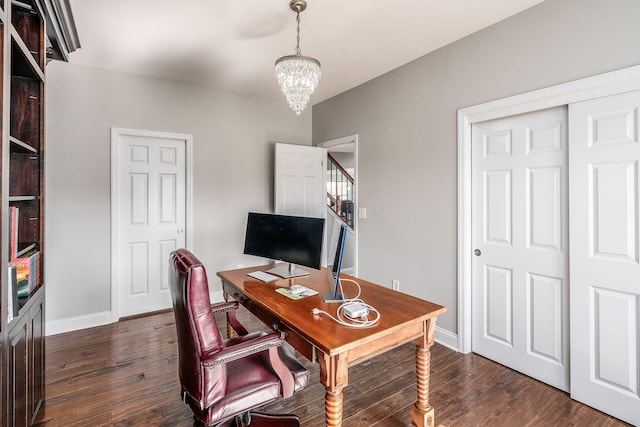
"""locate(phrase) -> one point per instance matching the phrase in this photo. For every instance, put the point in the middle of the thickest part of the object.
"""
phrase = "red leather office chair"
(223, 380)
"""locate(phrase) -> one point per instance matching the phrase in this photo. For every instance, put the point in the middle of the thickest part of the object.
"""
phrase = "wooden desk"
(403, 318)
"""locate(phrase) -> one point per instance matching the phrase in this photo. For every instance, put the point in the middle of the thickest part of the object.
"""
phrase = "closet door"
(604, 257)
(520, 268)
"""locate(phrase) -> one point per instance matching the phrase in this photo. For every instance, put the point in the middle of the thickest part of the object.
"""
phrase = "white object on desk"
(299, 289)
(262, 276)
(296, 292)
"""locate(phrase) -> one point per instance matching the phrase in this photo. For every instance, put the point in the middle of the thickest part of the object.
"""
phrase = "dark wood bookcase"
(23, 171)
(26, 44)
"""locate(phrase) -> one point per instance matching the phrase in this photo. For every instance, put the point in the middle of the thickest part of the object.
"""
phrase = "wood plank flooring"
(125, 374)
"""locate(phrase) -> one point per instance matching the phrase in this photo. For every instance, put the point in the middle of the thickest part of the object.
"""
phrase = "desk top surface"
(399, 312)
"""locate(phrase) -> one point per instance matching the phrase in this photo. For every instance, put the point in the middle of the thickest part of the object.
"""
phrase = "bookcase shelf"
(23, 62)
(25, 176)
(21, 198)
(25, 114)
(21, 147)
(27, 19)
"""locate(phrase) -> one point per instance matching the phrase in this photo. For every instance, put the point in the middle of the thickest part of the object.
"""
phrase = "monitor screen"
(292, 239)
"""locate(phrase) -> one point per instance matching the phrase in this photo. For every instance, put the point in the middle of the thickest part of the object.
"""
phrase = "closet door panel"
(604, 263)
(520, 270)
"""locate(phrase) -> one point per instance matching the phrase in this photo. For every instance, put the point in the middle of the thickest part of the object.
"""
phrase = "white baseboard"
(70, 324)
(55, 327)
(446, 338)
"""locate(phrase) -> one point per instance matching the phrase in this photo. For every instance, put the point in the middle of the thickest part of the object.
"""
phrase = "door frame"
(116, 134)
(611, 83)
(350, 139)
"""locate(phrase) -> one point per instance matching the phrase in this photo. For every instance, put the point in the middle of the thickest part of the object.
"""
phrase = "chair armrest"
(270, 343)
(230, 308)
(222, 307)
(243, 349)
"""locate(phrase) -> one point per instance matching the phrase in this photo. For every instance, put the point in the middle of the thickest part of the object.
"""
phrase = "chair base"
(275, 420)
(260, 420)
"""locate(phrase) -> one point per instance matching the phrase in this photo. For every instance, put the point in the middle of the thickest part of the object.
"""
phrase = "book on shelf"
(13, 231)
(22, 277)
(22, 280)
(37, 275)
(12, 306)
(27, 272)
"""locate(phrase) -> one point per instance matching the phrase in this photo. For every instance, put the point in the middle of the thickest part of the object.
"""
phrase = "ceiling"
(233, 44)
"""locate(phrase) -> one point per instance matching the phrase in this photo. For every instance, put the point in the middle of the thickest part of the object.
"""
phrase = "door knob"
(180, 230)
(477, 252)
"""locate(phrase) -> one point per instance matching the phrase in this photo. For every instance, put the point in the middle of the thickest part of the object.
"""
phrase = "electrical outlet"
(395, 284)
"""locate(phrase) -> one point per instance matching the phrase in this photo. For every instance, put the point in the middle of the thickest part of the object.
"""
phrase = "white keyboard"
(262, 276)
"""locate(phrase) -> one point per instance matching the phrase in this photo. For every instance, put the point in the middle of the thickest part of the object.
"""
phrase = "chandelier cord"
(298, 51)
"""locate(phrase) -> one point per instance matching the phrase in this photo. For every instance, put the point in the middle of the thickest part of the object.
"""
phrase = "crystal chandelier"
(298, 75)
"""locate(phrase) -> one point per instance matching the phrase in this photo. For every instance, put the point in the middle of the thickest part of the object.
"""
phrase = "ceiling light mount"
(297, 75)
(298, 5)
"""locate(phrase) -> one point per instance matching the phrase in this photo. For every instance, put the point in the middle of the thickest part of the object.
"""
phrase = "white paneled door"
(605, 258)
(299, 183)
(520, 294)
(150, 214)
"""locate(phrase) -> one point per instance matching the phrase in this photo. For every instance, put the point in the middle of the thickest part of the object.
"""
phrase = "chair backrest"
(196, 328)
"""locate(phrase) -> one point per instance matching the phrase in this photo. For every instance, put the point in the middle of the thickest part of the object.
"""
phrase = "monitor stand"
(332, 297)
(288, 271)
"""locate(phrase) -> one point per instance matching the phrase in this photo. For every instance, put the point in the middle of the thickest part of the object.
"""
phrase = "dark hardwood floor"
(125, 374)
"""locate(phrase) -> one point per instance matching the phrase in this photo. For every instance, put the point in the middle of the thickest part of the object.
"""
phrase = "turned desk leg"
(422, 414)
(333, 408)
(334, 377)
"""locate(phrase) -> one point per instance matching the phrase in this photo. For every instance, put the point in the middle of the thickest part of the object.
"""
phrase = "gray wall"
(406, 126)
(233, 138)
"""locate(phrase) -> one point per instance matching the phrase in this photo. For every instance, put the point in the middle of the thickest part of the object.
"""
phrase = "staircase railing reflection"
(340, 191)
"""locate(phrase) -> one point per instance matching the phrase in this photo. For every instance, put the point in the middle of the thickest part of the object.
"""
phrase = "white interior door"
(520, 236)
(605, 258)
(150, 198)
(299, 185)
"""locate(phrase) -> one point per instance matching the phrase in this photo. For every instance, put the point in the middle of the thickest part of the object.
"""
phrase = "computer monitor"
(334, 261)
(292, 239)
